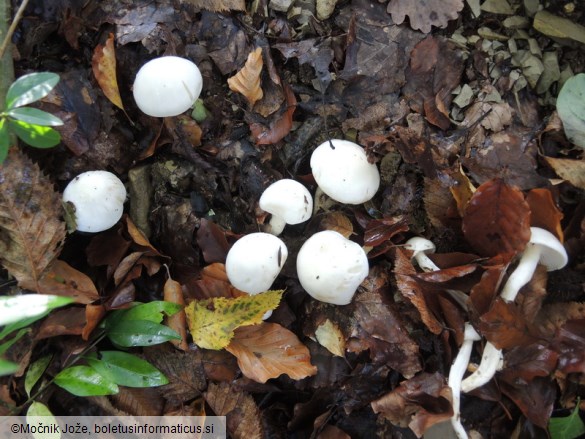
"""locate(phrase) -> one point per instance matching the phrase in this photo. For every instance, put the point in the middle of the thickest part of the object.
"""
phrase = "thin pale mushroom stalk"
(420, 246)
(543, 248)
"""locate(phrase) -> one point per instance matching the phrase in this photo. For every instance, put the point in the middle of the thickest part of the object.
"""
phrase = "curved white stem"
(492, 360)
(276, 225)
(456, 373)
(425, 263)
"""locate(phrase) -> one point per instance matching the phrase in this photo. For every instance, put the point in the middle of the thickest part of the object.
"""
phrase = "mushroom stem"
(276, 225)
(456, 375)
(425, 263)
(523, 272)
(492, 360)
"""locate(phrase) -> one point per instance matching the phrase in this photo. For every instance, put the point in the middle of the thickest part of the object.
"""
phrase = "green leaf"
(152, 311)
(35, 135)
(17, 308)
(140, 333)
(571, 109)
(39, 414)
(35, 116)
(35, 372)
(127, 369)
(568, 427)
(5, 346)
(30, 88)
(4, 140)
(7, 367)
(85, 381)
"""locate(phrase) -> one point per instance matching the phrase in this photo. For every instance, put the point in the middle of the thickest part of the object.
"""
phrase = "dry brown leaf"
(139, 401)
(280, 126)
(497, 219)
(31, 229)
(242, 415)
(172, 292)
(247, 80)
(138, 236)
(338, 222)
(68, 321)
(93, 316)
(505, 326)
(268, 350)
(218, 6)
(552, 317)
(571, 170)
(544, 212)
(103, 65)
(462, 190)
(61, 279)
(425, 13)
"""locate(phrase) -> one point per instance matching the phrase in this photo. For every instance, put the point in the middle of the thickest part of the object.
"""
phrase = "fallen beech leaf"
(333, 432)
(419, 402)
(212, 241)
(172, 292)
(30, 220)
(544, 212)
(528, 362)
(484, 292)
(423, 14)
(61, 279)
(70, 321)
(138, 236)
(279, 127)
(570, 344)
(247, 80)
(218, 6)
(497, 219)
(103, 64)
(214, 283)
(571, 170)
(462, 191)
(338, 222)
(552, 317)
(212, 322)
(146, 401)
(412, 291)
(535, 399)
(243, 417)
(268, 350)
(505, 326)
(93, 316)
(331, 338)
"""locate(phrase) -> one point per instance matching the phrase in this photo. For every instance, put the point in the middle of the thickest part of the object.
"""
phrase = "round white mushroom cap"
(331, 267)
(167, 86)
(98, 198)
(288, 201)
(344, 173)
(254, 262)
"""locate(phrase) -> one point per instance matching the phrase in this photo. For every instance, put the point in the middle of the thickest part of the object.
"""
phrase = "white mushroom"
(254, 262)
(544, 248)
(420, 247)
(331, 267)
(98, 198)
(167, 86)
(288, 201)
(342, 171)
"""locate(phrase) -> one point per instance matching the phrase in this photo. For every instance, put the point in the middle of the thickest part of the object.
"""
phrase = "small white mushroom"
(420, 247)
(288, 201)
(98, 198)
(167, 86)
(331, 267)
(254, 262)
(544, 248)
(342, 171)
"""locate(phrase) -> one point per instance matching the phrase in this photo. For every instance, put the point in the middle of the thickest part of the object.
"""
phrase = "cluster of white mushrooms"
(330, 267)
(542, 248)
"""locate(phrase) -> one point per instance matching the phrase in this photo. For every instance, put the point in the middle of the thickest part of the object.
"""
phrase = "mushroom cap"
(289, 200)
(167, 86)
(254, 262)
(331, 267)
(552, 253)
(419, 244)
(344, 173)
(98, 197)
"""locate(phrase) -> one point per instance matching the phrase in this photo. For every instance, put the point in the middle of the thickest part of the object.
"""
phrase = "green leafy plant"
(31, 125)
(567, 427)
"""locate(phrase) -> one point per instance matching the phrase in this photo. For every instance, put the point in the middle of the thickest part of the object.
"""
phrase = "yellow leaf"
(247, 80)
(103, 65)
(330, 337)
(212, 322)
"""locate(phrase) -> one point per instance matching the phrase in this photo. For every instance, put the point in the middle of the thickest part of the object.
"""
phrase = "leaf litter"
(455, 106)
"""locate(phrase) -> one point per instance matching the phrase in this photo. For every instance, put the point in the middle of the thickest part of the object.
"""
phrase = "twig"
(12, 27)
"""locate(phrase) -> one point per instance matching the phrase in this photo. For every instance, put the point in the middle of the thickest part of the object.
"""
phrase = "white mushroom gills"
(167, 86)
(98, 198)
(544, 248)
(342, 171)
(288, 201)
(331, 268)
